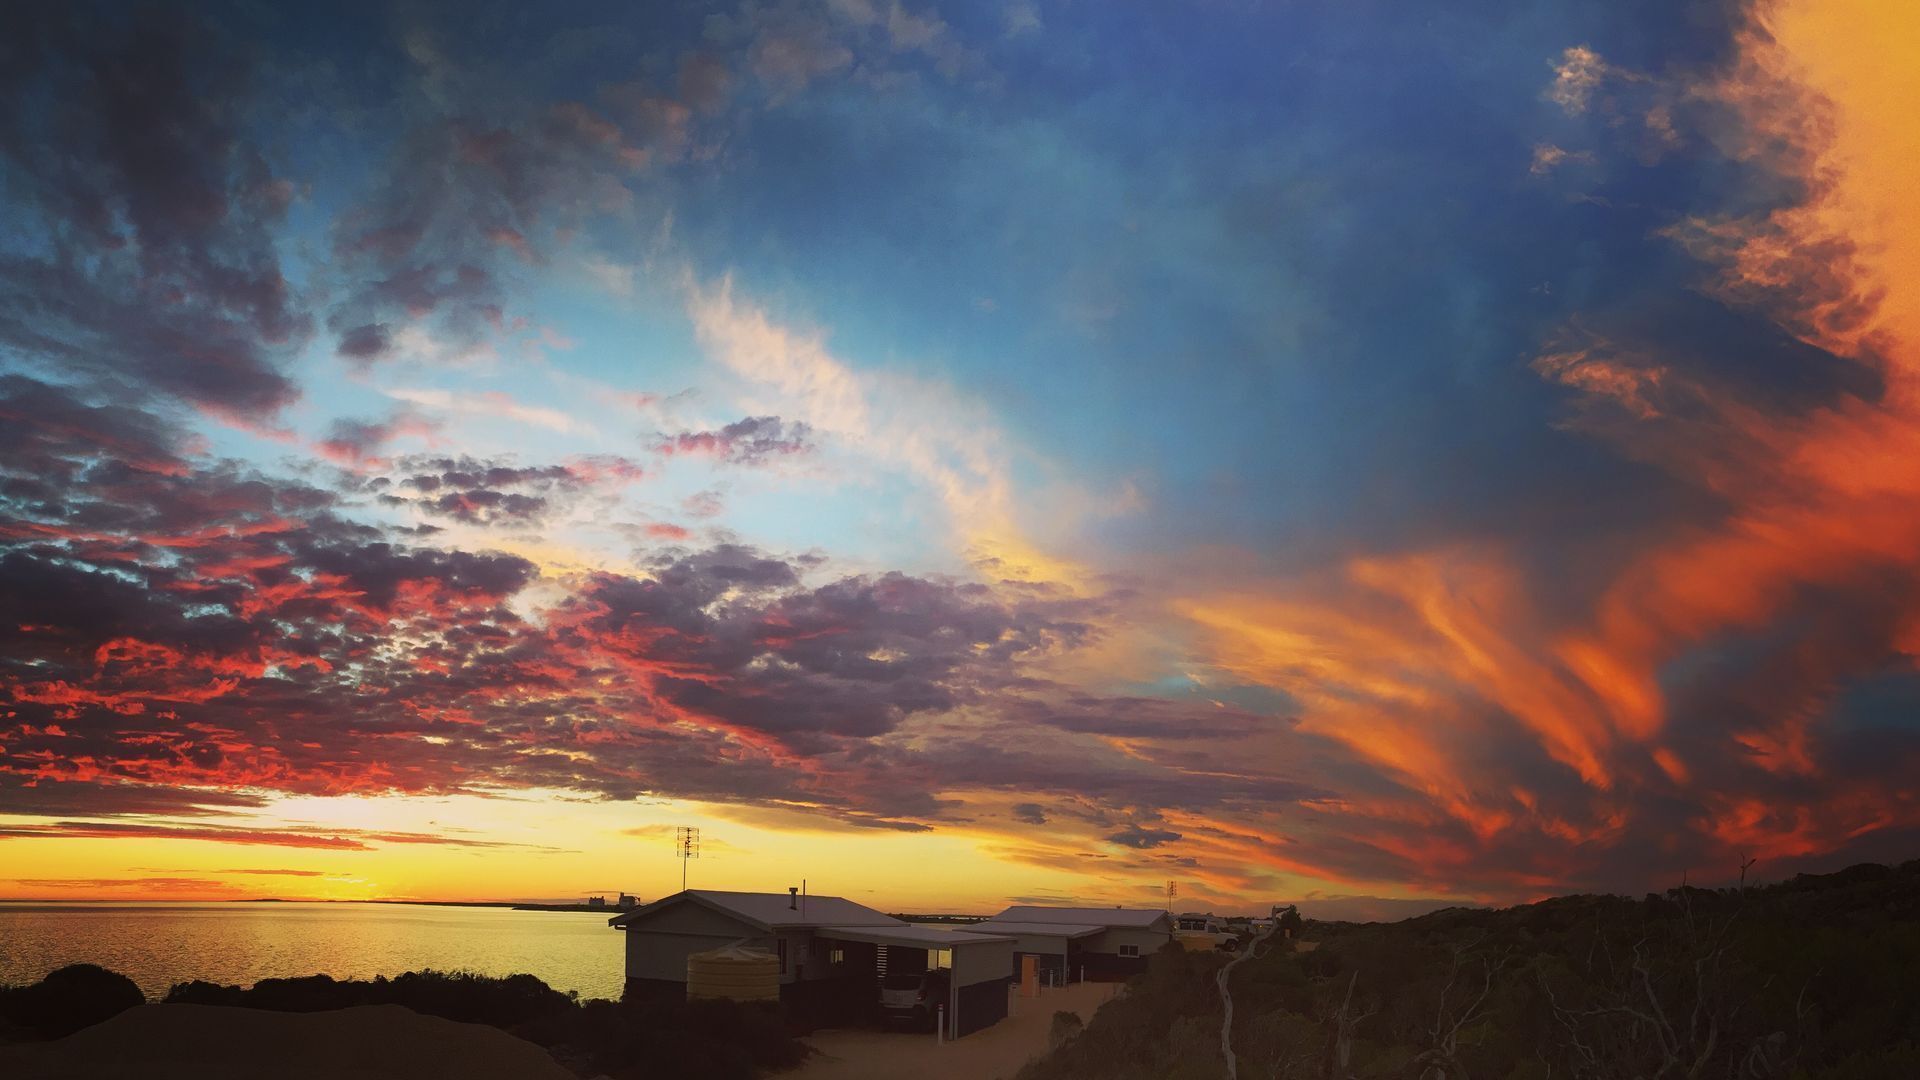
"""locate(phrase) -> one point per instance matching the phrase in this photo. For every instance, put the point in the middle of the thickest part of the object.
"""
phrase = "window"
(1129, 950)
(780, 947)
(837, 956)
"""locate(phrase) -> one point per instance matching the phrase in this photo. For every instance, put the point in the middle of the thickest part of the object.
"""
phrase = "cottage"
(832, 953)
(1097, 944)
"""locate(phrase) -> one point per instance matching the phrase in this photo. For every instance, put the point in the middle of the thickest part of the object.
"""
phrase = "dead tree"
(1342, 1024)
(1673, 1009)
(1439, 1060)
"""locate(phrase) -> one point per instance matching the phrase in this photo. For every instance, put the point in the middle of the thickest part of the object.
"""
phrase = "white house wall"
(664, 956)
(804, 957)
(982, 961)
(1110, 940)
(659, 944)
(1041, 943)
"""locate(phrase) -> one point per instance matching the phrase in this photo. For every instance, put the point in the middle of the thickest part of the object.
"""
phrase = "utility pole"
(686, 845)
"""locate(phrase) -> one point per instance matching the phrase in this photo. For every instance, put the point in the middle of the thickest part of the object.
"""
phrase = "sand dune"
(995, 1053)
(203, 1042)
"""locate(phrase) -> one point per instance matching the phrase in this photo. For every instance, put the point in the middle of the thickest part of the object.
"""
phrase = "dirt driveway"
(995, 1053)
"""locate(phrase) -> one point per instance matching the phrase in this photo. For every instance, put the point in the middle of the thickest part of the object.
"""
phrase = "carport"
(1054, 946)
(982, 967)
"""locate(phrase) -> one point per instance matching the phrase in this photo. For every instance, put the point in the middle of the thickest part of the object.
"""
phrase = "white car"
(913, 999)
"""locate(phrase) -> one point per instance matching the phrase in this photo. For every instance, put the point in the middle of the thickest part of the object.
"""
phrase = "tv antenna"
(686, 845)
(1173, 890)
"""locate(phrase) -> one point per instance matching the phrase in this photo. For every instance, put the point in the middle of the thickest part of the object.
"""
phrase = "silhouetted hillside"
(1817, 978)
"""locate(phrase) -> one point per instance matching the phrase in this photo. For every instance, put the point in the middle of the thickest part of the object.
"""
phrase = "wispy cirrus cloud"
(490, 403)
(948, 444)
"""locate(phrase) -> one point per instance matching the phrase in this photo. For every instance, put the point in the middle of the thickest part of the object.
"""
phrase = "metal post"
(939, 1024)
(686, 845)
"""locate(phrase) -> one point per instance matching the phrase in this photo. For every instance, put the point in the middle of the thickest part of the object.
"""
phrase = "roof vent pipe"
(793, 898)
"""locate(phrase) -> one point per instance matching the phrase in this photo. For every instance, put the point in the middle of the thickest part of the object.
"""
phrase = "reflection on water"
(159, 944)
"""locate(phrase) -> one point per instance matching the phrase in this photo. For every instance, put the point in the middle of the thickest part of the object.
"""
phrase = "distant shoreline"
(514, 905)
(903, 917)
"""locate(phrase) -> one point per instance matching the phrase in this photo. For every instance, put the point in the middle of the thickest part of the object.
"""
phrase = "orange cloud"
(1436, 666)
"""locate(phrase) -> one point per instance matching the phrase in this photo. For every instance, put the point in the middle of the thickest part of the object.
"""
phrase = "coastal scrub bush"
(1148, 1032)
(74, 997)
(1809, 979)
(460, 995)
(629, 1040)
(1065, 1026)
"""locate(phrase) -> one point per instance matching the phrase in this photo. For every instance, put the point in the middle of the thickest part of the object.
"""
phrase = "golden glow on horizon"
(551, 847)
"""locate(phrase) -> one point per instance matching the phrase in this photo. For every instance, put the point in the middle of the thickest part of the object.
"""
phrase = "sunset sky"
(958, 453)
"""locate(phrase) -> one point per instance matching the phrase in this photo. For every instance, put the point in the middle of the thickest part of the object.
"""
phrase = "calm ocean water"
(159, 944)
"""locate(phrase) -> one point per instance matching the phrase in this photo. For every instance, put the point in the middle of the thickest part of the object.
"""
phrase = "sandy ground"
(205, 1042)
(993, 1054)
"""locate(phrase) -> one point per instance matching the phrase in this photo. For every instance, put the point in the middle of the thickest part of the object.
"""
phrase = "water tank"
(734, 972)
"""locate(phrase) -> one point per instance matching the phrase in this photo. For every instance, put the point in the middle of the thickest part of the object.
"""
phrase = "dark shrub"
(1066, 1025)
(462, 996)
(474, 999)
(199, 992)
(75, 997)
(314, 993)
(631, 1040)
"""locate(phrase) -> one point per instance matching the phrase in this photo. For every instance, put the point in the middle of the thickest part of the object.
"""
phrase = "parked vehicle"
(913, 999)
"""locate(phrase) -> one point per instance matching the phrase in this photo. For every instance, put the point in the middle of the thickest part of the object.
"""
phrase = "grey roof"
(1009, 926)
(1141, 918)
(919, 937)
(769, 910)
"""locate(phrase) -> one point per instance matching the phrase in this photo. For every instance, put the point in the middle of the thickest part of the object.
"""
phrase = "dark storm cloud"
(144, 215)
(206, 627)
(1134, 836)
(357, 444)
(1148, 718)
(57, 799)
(283, 836)
(492, 492)
(1030, 813)
(50, 433)
(125, 830)
(851, 657)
